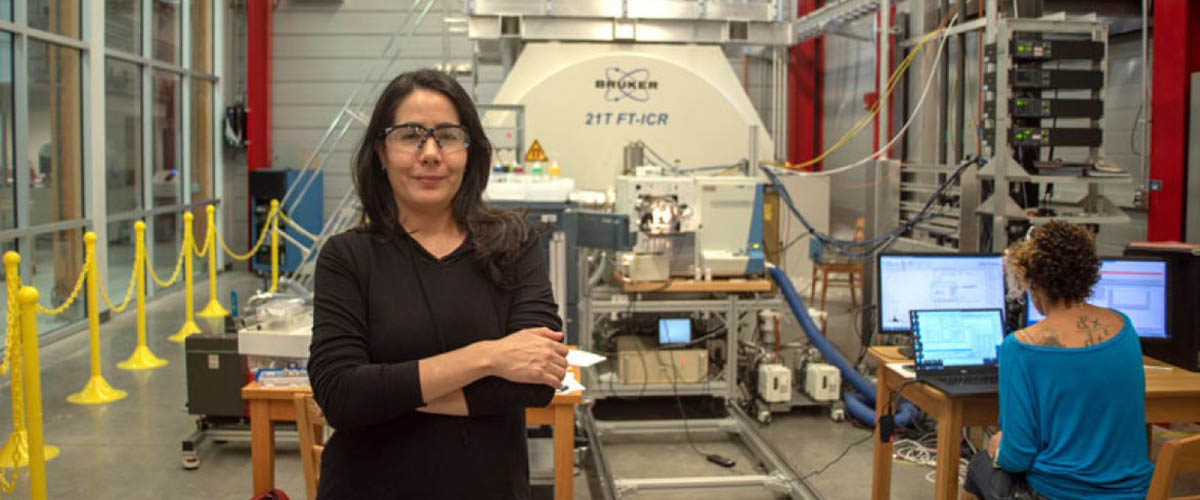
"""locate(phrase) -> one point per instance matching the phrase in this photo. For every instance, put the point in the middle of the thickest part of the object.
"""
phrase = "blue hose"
(861, 405)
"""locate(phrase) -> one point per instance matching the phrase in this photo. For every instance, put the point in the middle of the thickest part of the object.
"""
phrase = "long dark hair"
(498, 235)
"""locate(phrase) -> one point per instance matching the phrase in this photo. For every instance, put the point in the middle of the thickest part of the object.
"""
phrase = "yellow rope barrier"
(138, 261)
(87, 261)
(208, 237)
(178, 265)
(12, 345)
(262, 237)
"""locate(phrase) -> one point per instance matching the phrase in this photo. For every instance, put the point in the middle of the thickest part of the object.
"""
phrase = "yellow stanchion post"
(28, 297)
(189, 320)
(15, 452)
(142, 358)
(214, 308)
(274, 245)
(97, 390)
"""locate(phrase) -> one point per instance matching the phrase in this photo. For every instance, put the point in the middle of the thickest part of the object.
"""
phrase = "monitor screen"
(1135, 287)
(674, 331)
(956, 337)
(936, 281)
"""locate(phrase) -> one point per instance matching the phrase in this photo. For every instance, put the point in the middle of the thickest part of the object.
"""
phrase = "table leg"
(262, 446)
(564, 452)
(948, 449)
(881, 480)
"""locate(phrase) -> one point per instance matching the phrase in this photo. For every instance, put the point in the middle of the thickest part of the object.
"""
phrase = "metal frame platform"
(597, 303)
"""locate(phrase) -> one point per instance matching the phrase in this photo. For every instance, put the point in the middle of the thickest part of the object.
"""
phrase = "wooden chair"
(1181, 456)
(825, 267)
(310, 425)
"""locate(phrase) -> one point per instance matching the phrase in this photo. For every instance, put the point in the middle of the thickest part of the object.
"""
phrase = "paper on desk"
(583, 358)
(904, 369)
(569, 384)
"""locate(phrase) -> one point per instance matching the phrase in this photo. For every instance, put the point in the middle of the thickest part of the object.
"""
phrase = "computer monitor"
(936, 282)
(1136, 287)
(673, 331)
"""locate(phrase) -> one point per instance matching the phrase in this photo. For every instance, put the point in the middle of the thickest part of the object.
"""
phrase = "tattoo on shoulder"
(1044, 337)
(1049, 340)
(1092, 328)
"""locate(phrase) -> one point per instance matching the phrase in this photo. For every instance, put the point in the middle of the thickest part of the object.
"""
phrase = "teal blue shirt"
(1074, 419)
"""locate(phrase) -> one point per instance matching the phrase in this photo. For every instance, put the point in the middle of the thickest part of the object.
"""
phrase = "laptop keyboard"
(969, 379)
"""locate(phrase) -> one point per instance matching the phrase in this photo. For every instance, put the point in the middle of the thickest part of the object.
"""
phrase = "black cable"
(679, 402)
(839, 457)
(867, 248)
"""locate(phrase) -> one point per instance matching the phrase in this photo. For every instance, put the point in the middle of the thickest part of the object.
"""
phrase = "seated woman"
(1072, 386)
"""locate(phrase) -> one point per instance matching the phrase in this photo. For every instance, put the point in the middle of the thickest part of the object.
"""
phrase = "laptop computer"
(957, 350)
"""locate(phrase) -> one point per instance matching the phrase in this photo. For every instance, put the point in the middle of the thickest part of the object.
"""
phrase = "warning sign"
(536, 153)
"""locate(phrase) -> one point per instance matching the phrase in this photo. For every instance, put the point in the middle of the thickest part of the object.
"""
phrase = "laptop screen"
(956, 337)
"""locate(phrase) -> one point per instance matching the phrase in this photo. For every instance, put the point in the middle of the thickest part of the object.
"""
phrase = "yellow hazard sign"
(536, 153)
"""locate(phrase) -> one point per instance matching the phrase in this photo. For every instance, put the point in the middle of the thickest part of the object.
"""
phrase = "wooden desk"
(1171, 396)
(274, 404)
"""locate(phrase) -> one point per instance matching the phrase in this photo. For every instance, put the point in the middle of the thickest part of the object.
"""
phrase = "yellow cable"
(178, 265)
(138, 260)
(262, 237)
(862, 123)
(87, 261)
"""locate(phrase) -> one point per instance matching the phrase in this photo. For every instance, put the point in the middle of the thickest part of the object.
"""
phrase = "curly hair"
(1059, 260)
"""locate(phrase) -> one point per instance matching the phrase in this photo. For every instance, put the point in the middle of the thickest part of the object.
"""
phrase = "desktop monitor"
(936, 282)
(1136, 287)
(672, 331)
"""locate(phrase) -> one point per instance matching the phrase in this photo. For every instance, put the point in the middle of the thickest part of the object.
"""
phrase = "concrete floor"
(131, 449)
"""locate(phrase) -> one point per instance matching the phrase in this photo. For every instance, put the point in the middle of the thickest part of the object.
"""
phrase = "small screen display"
(674, 331)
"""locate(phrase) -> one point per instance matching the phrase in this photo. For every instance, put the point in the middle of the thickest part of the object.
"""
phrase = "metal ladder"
(356, 109)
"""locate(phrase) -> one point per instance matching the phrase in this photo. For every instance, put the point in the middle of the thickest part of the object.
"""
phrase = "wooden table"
(274, 404)
(1172, 395)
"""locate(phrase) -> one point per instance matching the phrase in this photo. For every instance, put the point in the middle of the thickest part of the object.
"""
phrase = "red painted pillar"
(806, 66)
(258, 84)
(1176, 56)
(867, 100)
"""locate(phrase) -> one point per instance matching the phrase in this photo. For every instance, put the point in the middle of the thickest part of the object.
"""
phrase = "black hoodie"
(379, 307)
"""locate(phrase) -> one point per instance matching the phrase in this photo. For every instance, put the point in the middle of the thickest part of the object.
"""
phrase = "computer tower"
(307, 211)
(215, 375)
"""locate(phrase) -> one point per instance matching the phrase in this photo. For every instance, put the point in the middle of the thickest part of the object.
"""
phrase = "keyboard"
(969, 379)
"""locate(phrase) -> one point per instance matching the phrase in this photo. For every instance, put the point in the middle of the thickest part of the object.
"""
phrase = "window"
(166, 32)
(123, 25)
(123, 135)
(60, 17)
(54, 148)
(8, 179)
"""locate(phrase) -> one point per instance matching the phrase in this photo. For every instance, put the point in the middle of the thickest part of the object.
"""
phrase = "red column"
(867, 99)
(1176, 56)
(258, 84)
(806, 65)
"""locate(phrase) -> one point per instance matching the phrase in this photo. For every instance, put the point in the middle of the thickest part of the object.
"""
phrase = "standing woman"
(434, 325)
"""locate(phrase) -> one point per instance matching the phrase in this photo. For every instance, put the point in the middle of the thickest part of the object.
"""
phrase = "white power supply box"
(822, 382)
(775, 383)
